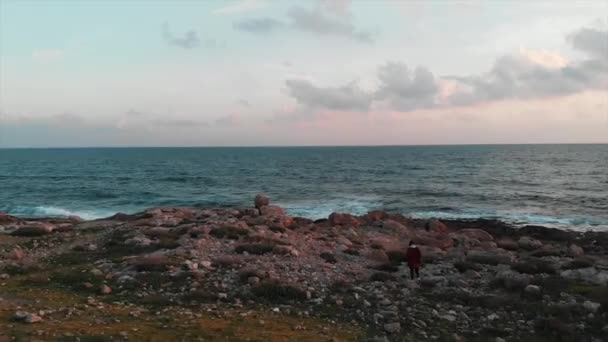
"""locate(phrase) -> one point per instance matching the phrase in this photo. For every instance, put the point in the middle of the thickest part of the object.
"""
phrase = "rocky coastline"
(259, 274)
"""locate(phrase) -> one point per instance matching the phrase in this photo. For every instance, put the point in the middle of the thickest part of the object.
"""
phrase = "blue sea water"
(564, 186)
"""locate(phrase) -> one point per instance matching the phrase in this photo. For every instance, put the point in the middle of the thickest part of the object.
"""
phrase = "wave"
(520, 219)
(50, 211)
(357, 205)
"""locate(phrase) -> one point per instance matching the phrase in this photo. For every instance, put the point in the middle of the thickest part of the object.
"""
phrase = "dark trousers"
(414, 270)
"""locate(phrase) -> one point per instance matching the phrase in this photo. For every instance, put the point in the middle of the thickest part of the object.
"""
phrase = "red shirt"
(414, 258)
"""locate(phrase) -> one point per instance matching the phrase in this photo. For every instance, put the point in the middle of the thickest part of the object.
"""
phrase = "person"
(414, 259)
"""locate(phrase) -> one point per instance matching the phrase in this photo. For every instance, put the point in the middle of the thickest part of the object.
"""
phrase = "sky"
(272, 72)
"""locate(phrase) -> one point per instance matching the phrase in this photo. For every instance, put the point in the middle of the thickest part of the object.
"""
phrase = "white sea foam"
(51, 211)
(571, 222)
(357, 205)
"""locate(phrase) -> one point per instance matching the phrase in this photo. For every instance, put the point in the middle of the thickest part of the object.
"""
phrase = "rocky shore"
(259, 274)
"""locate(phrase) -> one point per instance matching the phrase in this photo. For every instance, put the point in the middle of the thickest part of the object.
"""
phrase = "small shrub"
(383, 277)
(254, 248)
(352, 251)
(397, 256)
(532, 266)
(578, 263)
(274, 291)
(386, 267)
(329, 257)
(464, 266)
(229, 232)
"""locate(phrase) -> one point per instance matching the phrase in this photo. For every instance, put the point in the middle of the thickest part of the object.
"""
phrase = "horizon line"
(292, 146)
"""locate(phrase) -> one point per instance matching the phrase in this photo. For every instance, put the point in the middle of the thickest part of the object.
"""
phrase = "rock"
(392, 328)
(433, 281)
(575, 251)
(411, 284)
(138, 241)
(26, 317)
(436, 226)
(16, 254)
(378, 255)
(430, 239)
(547, 250)
(34, 229)
(158, 232)
(5, 218)
(528, 243)
(512, 280)
(340, 219)
(261, 201)
(448, 318)
(489, 258)
(589, 275)
(535, 266)
(105, 290)
(508, 244)
(477, 234)
(375, 215)
(532, 291)
(498, 339)
(392, 226)
(285, 250)
(272, 210)
(591, 306)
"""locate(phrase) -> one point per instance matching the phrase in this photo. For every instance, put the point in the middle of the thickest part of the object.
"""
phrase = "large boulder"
(477, 234)
(508, 244)
(575, 251)
(261, 201)
(34, 229)
(341, 219)
(375, 215)
(395, 227)
(528, 243)
(442, 241)
(436, 226)
(272, 210)
(5, 218)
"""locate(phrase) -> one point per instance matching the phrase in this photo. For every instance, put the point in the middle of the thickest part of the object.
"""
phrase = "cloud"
(406, 90)
(347, 97)
(592, 41)
(261, 25)
(318, 22)
(189, 40)
(239, 6)
(325, 21)
(526, 75)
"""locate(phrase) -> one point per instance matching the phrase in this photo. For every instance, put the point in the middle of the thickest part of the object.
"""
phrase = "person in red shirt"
(414, 259)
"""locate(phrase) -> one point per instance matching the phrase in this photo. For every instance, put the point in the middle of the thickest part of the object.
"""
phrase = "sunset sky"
(269, 72)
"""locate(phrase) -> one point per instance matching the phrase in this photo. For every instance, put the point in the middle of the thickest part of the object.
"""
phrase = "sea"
(563, 186)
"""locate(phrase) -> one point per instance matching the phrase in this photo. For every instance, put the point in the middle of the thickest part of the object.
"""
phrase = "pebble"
(392, 328)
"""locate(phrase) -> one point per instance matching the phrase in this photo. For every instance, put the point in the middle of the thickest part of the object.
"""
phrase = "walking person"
(414, 260)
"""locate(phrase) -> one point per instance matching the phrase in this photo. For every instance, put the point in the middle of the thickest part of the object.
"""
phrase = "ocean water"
(563, 186)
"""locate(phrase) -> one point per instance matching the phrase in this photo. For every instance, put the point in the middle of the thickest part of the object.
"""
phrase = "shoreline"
(463, 218)
(481, 279)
